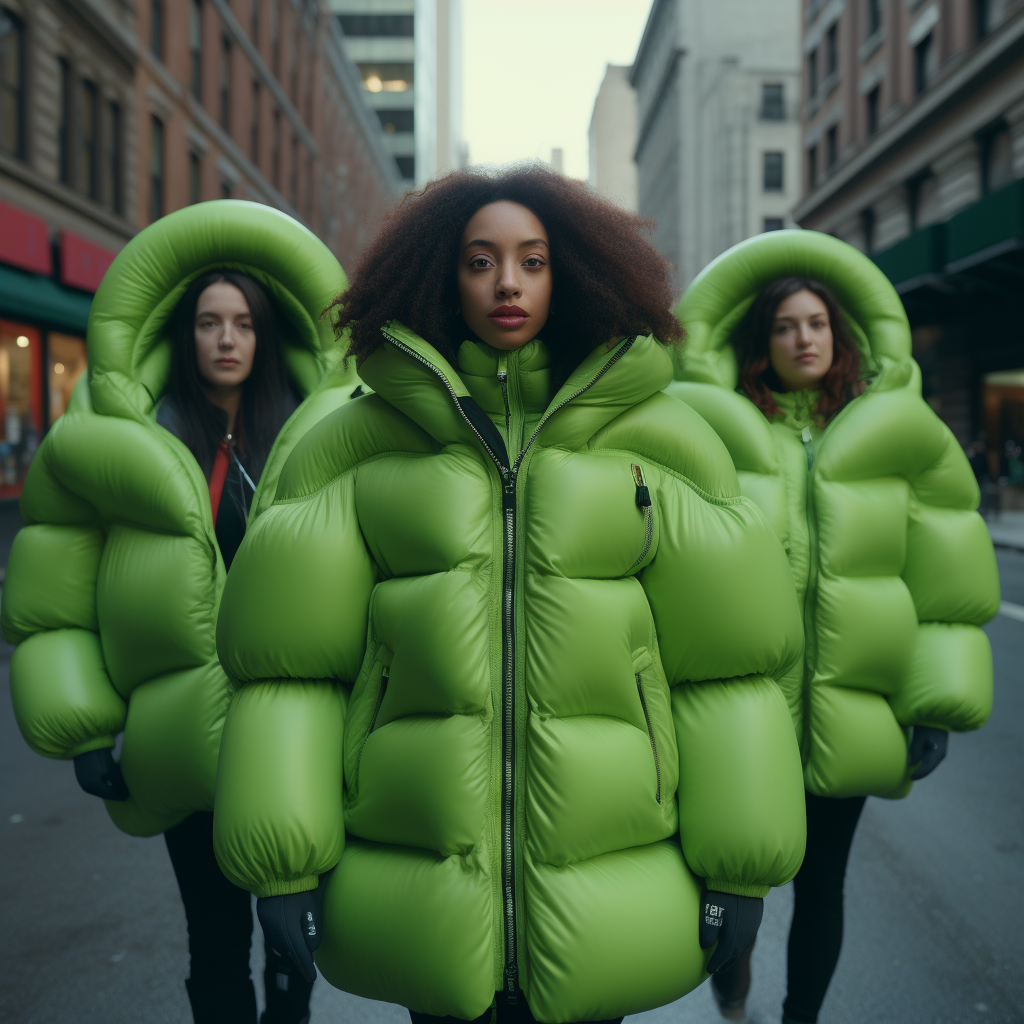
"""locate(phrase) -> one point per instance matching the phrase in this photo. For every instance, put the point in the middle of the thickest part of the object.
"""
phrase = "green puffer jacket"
(893, 566)
(112, 589)
(500, 651)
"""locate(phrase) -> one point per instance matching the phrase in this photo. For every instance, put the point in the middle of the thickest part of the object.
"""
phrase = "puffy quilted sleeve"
(728, 627)
(291, 632)
(64, 701)
(951, 574)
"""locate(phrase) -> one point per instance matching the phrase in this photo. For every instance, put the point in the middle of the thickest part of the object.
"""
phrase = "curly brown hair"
(757, 379)
(609, 281)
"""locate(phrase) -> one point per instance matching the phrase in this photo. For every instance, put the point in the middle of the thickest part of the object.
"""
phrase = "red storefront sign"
(24, 241)
(82, 264)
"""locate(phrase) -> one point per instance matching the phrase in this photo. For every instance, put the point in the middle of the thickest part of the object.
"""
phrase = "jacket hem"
(286, 887)
(738, 888)
(96, 743)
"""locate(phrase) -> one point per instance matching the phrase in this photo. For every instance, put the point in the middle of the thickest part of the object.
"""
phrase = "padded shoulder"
(737, 421)
(671, 434)
(361, 429)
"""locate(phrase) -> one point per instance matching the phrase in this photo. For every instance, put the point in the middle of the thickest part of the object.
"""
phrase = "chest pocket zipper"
(643, 502)
(650, 733)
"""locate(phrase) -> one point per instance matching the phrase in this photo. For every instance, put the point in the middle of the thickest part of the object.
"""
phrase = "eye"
(480, 262)
(533, 261)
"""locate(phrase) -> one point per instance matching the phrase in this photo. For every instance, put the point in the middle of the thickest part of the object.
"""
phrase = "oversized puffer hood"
(893, 567)
(113, 588)
(722, 293)
(129, 351)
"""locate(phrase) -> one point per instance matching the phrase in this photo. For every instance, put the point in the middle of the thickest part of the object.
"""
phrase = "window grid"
(12, 84)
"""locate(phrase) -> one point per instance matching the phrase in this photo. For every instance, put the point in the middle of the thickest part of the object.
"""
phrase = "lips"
(508, 316)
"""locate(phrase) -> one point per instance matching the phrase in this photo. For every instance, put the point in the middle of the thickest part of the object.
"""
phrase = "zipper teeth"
(650, 733)
(382, 689)
(503, 381)
(810, 597)
(508, 476)
(648, 535)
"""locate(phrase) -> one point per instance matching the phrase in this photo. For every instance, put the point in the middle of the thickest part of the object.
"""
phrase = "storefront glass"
(21, 406)
(67, 362)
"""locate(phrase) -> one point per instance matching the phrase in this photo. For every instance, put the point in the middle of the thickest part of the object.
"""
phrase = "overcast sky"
(531, 70)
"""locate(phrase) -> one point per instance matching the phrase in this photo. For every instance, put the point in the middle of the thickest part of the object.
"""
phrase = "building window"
(293, 174)
(773, 223)
(225, 83)
(254, 21)
(772, 106)
(997, 160)
(406, 167)
(88, 150)
(156, 28)
(867, 220)
(114, 157)
(225, 189)
(195, 46)
(254, 124)
(12, 84)
(275, 36)
(156, 169)
(275, 154)
(832, 146)
(987, 14)
(309, 187)
(387, 77)
(812, 74)
(812, 166)
(195, 171)
(64, 124)
(872, 102)
(396, 120)
(377, 25)
(924, 63)
(773, 172)
(832, 51)
(874, 16)
(294, 69)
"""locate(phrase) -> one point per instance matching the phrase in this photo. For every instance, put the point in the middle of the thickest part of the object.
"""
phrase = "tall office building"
(719, 136)
(409, 54)
(612, 138)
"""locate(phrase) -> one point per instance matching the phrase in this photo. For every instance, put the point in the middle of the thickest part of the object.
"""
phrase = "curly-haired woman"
(800, 359)
(507, 638)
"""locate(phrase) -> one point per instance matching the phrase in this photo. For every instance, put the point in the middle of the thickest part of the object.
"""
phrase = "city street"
(93, 929)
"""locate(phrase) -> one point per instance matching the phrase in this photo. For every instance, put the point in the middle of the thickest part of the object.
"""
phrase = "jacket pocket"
(643, 503)
(650, 734)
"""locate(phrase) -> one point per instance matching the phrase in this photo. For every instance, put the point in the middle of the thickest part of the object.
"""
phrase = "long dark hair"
(263, 408)
(610, 281)
(757, 379)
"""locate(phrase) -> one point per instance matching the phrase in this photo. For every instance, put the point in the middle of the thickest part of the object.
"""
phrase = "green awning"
(913, 258)
(34, 297)
(987, 228)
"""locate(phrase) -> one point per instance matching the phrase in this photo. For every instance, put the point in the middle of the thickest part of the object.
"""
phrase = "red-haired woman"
(507, 639)
(812, 387)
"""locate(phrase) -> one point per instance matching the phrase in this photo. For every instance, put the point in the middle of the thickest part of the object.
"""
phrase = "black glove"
(291, 924)
(928, 746)
(99, 774)
(731, 921)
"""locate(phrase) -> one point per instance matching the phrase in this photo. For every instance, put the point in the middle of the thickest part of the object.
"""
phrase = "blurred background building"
(113, 114)
(612, 138)
(409, 55)
(718, 138)
(913, 120)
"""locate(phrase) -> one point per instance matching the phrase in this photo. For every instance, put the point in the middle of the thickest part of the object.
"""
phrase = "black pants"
(518, 1014)
(219, 917)
(816, 935)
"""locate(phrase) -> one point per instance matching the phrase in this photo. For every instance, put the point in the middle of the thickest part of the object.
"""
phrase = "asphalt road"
(92, 930)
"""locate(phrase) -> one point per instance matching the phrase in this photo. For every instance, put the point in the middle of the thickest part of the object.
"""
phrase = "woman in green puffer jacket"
(112, 589)
(799, 357)
(508, 638)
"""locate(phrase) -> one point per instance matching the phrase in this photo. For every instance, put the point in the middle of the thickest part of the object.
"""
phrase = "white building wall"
(613, 137)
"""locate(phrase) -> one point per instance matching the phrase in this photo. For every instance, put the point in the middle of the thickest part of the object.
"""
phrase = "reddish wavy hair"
(757, 379)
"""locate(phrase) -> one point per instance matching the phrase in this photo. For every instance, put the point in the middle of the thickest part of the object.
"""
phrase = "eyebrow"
(494, 245)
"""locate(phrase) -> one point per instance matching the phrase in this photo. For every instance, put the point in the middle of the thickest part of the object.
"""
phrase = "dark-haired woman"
(508, 638)
(799, 356)
(136, 503)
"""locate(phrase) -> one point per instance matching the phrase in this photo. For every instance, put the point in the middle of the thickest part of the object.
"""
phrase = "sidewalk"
(1007, 530)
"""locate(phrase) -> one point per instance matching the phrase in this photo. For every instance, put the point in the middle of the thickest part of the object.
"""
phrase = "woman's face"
(800, 345)
(505, 275)
(225, 337)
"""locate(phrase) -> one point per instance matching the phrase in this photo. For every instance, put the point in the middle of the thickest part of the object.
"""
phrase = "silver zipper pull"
(805, 436)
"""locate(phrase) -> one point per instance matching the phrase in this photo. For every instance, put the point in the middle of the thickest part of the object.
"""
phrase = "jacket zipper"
(383, 689)
(643, 502)
(509, 474)
(650, 733)
(811, 591)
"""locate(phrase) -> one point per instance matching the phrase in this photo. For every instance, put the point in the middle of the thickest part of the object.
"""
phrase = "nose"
(507, 285)
(803, 338)
(227, 335)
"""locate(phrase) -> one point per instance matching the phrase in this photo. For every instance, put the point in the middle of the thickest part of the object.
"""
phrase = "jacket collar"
(413, 376)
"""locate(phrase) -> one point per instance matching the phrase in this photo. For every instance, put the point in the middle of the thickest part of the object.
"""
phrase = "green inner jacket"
(509, 716)
(893, 567)
(112, 589)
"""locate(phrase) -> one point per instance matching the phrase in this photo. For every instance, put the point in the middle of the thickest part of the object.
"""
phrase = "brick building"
(114, 113)
(913, 142)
